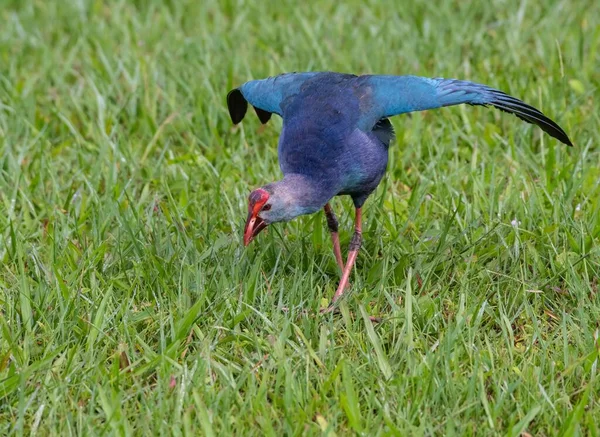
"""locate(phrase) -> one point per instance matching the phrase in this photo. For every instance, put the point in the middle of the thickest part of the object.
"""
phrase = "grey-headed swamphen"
(336, 135)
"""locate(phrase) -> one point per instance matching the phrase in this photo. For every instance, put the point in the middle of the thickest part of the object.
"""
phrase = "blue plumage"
(269, 94)
(384, 96)
(336, 135)
(335, 126)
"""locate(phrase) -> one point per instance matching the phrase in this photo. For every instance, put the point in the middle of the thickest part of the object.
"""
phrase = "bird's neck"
(307, 194)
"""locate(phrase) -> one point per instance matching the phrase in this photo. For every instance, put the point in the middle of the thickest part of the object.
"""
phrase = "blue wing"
(393, 95)
(266, 95)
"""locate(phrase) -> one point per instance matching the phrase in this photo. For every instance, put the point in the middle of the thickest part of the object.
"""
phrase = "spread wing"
(266, 95)
(393, 95)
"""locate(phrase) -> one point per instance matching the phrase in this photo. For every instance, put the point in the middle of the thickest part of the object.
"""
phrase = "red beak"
(254, 224)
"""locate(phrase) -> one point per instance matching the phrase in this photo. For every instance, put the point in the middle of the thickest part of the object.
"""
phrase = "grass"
(129, 306)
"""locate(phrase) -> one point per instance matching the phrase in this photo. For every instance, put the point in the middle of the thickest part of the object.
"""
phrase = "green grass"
(128, 304)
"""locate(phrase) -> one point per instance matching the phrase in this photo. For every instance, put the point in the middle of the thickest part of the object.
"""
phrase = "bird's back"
(320, 136)
(316, 123)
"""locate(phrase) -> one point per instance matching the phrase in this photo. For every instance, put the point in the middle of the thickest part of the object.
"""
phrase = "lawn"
(129, 306)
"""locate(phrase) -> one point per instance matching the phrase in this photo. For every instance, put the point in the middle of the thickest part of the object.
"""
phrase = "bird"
(335, 138)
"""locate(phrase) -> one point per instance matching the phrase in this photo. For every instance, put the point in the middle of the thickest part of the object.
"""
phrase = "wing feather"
(393, 95)
(266, 95)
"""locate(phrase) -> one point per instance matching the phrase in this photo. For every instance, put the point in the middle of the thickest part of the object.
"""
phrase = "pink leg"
(332, 224)
(352, 254)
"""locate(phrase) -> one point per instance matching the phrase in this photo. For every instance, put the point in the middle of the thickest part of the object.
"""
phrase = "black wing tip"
(554, 130)
(530, 114)
(263, 116)
(563, 138)
(237, 105)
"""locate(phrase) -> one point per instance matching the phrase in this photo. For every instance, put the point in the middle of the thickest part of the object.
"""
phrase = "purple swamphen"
(336, 135)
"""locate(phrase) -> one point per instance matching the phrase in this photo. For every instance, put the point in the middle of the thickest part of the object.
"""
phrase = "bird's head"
(279, 202)
(259, 208)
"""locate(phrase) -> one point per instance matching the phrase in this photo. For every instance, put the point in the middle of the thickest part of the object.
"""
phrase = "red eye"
(266, 207)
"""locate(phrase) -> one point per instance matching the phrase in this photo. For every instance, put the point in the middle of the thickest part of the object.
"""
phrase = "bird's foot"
(336, 310)
(330, 309)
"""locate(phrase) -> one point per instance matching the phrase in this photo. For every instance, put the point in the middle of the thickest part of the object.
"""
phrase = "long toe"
(330, 309)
